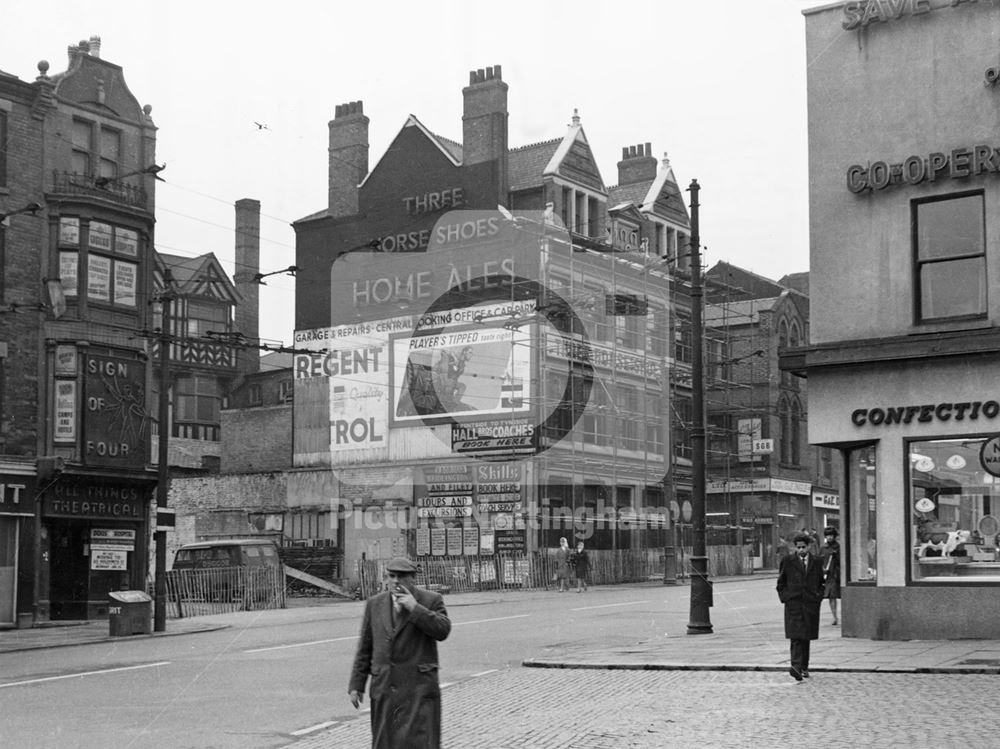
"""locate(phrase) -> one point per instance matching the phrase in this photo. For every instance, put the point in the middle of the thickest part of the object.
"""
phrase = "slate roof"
(526, 164)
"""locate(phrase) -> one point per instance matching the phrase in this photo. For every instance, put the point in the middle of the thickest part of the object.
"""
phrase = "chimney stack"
(637, 165)
(484, 123)
(348, 158)
(247, 315)
(94, 46)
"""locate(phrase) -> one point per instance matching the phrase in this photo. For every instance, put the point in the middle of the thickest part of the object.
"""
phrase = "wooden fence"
(223, 590)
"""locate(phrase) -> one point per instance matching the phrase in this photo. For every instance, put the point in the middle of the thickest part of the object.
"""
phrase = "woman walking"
(830, 554)
(581, 567)
(562, 564)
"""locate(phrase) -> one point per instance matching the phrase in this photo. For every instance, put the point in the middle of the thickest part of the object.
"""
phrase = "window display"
(954, 498)
(862, 563)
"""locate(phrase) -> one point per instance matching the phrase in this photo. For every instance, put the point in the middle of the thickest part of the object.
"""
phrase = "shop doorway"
(8, 569)
(68, 570)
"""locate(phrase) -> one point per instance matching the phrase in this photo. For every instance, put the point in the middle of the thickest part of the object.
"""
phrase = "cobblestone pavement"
(605, 709)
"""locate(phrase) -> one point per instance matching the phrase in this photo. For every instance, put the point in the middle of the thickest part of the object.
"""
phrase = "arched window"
(782, 343)
(796, 421)
(785, 424)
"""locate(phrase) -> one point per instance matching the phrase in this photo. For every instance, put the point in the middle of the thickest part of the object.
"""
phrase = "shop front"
(93, 541)
(17, 512)
(922, 504)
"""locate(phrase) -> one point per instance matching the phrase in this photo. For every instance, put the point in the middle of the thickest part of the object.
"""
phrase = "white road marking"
(609, 605)
(444, 684)
(300, 644)
(484, 621)
(317, 727)
(84, 673)
(488, 671)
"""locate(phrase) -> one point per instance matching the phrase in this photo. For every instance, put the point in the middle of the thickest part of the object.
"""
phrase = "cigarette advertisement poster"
(463, 372)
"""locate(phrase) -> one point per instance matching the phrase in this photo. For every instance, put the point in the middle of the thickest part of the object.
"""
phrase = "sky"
(719, 85)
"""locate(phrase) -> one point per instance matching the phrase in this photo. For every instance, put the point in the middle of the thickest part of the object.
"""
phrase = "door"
(69, 569)
(8, 569)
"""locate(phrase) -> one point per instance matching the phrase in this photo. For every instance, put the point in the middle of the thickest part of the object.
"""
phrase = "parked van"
(248, 567)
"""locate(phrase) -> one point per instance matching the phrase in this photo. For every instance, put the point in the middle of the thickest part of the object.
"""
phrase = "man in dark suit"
(800, 588)
(398, 649)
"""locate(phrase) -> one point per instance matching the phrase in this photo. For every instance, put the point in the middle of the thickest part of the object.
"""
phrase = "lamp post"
(699, 622)
(160, 536)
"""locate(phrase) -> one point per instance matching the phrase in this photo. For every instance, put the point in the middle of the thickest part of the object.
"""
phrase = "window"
(255, 396)
(80, 159)
(594, 420)
(949, 237)
(656, 331)
(286, 391)
(198, 399)
(861, 502)
(785, 439)
(111, 142)
(954, 506)
(205, 317)
(796, 436)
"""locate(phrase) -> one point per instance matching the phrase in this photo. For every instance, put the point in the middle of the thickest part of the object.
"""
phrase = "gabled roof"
(659, 196)
(559, 163)
(449, 148)
(199, 276)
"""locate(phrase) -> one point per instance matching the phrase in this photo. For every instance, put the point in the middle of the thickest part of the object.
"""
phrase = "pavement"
(755, 646)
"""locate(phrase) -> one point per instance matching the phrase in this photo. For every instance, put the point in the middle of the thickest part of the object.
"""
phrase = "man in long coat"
(398, 649)
(800, 588)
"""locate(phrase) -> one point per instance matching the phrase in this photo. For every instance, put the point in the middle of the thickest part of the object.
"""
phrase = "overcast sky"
(717, 84)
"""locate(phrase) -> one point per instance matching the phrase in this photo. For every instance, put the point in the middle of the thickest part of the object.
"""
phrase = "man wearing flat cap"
(398, 649)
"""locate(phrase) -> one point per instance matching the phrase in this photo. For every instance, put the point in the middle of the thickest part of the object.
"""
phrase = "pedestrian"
(830, 554)
(800, 588)
(398, 649)
(581, 567)
(562, 564)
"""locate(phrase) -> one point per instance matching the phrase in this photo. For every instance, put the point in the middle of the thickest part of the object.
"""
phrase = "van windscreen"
(217, 556)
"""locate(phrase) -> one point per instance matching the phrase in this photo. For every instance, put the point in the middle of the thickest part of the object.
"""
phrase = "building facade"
(903, 348)
(765, 482)
(487, 380)
(76, 279)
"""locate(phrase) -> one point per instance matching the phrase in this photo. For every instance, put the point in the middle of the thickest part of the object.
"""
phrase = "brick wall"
(22, 247)
(256, 439)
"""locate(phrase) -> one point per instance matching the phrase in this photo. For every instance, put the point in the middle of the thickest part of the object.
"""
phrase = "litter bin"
(130, 612)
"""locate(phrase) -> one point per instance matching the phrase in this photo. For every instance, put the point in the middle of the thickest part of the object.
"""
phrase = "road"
(276, 675)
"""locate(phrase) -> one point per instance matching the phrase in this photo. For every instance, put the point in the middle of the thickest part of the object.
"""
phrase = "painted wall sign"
(889, 415)
(861, 13)
(958, 163)
(115, 432)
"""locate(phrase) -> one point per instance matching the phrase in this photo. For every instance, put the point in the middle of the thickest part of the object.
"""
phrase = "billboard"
(463, 372)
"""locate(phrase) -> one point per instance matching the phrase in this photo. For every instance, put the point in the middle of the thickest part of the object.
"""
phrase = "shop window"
(954, 512)
(862, 503)
(949, 237)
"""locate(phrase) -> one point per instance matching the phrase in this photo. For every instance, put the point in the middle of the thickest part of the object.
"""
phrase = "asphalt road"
(276, 676)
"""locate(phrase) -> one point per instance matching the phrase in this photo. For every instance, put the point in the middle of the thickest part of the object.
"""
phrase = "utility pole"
(162, 473)
(699, 622)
